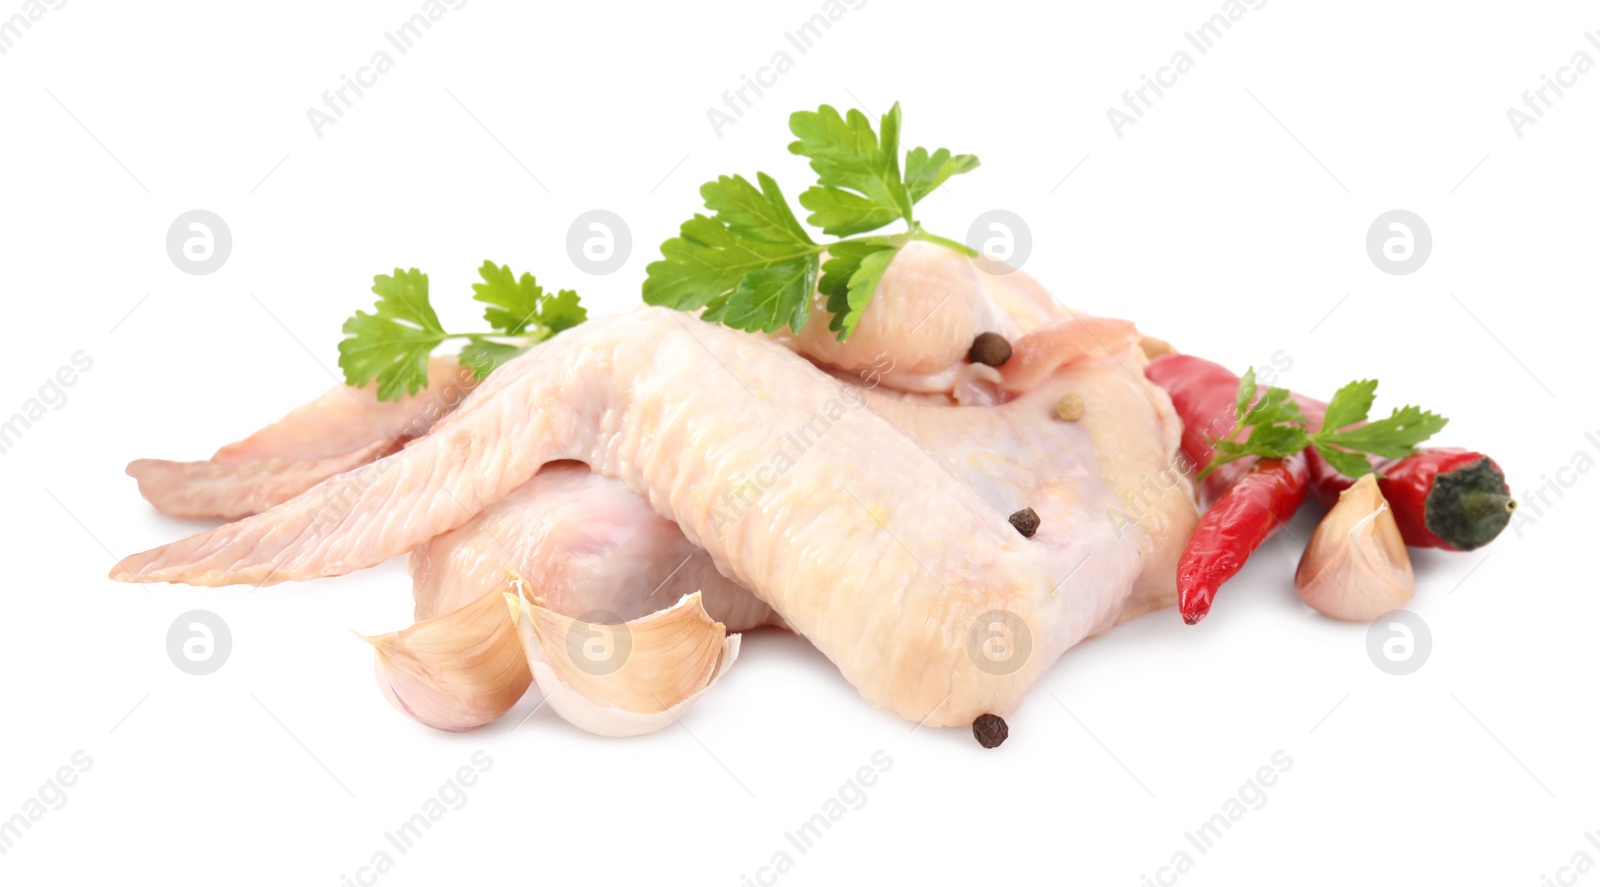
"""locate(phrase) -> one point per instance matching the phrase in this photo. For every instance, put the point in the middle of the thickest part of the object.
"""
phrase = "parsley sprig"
(393, 343)
(1278, 428)
(751, 264)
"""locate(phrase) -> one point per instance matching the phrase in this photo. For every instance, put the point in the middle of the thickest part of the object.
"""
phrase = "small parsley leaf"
(1393, 438)
(843, 213)
(484, 356)
(849, 287)
(863, 282)
(1350, 405)
(392, 344)
(707, 260)
(847, 156)
(759, 215)
(1246, 395)
(1343, 461)
(752, 265)
(925, 172)
(843, 260)
(771, 298)
(515, 303)
(1278, 428)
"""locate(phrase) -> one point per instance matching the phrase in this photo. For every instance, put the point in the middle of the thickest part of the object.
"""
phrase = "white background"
(1231, 220)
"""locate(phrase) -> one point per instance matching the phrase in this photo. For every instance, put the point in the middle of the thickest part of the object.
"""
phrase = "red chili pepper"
(1445, 498)
(1251, 498)
(1203, 394)
(1441, 497)
(1235, 526)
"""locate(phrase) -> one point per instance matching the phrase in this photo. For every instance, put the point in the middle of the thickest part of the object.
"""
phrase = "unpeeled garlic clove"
(458, 671)
(1356, 567)
(627, 679)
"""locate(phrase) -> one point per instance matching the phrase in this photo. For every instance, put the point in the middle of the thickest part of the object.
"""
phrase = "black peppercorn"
(1026, 521)
(990, 730)
(990, 349)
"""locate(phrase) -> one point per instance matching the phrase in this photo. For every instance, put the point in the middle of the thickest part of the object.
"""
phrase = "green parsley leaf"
(1276, 406)
(750, 263)
(770, 298)
(1345, 462)
(925, 172)
(1393, 438)
(484, 356)
(849, 278)
(758, 215)
(562, 311)
(1231, 449)
(393, 343)
(1246, 395)
(515, 303)
(707, 261)
(843, 213)
(843, 261)
(847, 156)
(1278, 428)
(1278, 441)
(1275, 420)
(1350, 405)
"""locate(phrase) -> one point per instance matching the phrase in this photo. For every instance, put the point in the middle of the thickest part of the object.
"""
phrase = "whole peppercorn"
(990, 730)
(1026, 521)
(1070, 407)
(990, 349)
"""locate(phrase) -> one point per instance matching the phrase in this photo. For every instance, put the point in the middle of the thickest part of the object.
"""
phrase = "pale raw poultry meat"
(341, 430)
(885, 560)
(927, 309)
(585, 545)
(879, 532)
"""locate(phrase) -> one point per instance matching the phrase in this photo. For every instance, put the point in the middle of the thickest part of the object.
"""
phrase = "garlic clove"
(1356, 567)
(626, 679)
(458, 671)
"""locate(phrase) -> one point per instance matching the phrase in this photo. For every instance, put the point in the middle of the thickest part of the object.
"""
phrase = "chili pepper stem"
(1480, 504)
